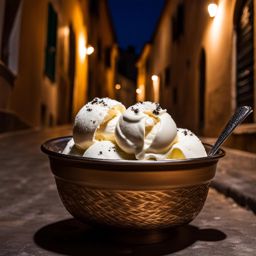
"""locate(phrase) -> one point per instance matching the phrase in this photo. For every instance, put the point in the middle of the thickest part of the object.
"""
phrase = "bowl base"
(137, 236)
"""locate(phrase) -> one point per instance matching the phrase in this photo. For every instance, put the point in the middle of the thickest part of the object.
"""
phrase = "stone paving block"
(236, 176)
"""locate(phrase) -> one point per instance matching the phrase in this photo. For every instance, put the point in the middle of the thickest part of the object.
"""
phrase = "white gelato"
(104, 150)
(187, 145)
(71, 149)
(145, 130)
(96, 121)
(104, 129)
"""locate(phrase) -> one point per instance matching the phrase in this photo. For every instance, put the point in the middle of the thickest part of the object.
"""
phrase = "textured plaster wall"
(216, 37)
(218, 42)
(32, 88)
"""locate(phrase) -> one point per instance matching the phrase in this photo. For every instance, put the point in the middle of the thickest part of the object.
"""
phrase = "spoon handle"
(240, 114)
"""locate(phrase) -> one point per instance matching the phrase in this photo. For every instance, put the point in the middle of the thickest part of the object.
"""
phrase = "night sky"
(135, 20)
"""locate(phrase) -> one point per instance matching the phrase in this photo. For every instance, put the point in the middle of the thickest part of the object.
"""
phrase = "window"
(244, 56)
(148, 65)
(99, 49)
(71, 69)
(174, 29)
(175, 96)
(180, 19)
(178, 22)
(167, 76)
(50, 54)
(10, 33)
(108, 57)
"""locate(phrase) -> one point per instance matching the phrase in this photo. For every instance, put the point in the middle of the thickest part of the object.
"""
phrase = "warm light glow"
(89, 50)
(118, 86)
(138, 91)
(82, 47)
(156, 87)
(212, 9)
(154, 78)
(66, 31)
(217, 26)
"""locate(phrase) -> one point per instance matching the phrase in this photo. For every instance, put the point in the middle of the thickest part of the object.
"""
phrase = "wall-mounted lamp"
(138, 91)
(118, 86)
(212, 9)
(65, 31)
(89, 50)
(154, 78)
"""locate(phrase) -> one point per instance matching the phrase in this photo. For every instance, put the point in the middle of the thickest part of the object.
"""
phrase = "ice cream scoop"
(145, 129)
(71, 149)
(105, 150)
(96, 121)
(187, 145)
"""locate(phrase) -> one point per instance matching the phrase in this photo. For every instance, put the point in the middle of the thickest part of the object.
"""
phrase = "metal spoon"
(240, 114)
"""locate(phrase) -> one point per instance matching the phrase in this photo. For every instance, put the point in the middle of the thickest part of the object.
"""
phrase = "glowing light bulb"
(212, 9)
(82, 48)
(65, 31)
(118, 86)
(138, 91)
(154, 78)
(89, 50)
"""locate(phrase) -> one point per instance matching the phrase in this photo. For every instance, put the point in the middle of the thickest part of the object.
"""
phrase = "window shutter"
(245, 58)
(50, 55)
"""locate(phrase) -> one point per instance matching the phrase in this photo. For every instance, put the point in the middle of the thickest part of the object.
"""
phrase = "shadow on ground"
(71, 237)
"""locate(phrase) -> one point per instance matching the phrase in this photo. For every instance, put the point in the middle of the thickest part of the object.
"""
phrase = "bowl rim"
(45, 148)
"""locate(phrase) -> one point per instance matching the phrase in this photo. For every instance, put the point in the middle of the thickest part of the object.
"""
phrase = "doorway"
(71, 70)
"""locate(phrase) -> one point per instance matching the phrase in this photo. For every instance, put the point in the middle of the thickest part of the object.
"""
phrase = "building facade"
(43, 49)
(103, 63)
(202, 68)
(143, 78)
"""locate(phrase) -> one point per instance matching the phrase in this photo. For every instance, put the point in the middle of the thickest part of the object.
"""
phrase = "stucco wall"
(216, 37)
(26, 95)
(32, 88)
(162, 57)
(218, 43)
(102, 78)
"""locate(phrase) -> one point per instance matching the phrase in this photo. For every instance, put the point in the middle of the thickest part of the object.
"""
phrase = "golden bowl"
(128, 193)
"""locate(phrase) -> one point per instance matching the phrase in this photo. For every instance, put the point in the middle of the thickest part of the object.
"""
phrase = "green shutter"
(50, 54)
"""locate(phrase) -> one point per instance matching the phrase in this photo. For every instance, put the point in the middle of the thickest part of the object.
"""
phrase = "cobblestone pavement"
(34, 222)
(236, 177)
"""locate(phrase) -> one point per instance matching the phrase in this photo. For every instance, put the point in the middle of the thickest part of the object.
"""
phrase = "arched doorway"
(244, 26)
(202, 81)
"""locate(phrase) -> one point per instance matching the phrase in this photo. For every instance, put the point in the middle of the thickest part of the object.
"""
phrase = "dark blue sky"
(135, 20)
